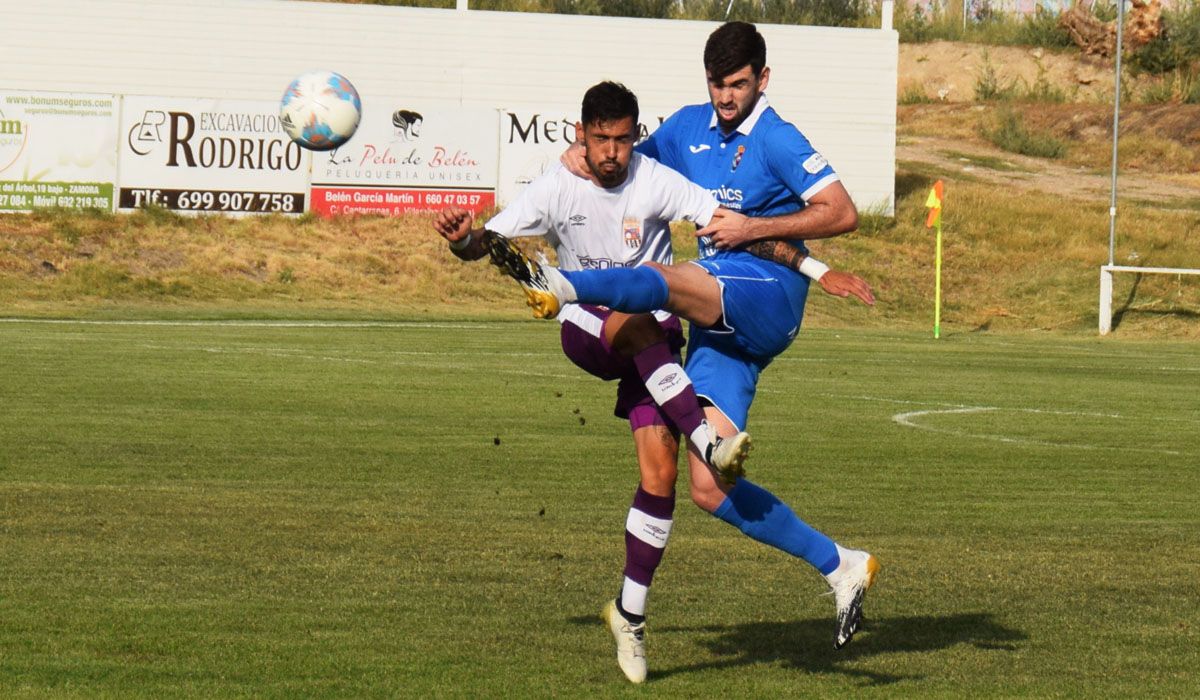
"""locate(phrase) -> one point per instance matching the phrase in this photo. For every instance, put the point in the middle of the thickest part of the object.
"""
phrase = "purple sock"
(672, 390)
(646, 531)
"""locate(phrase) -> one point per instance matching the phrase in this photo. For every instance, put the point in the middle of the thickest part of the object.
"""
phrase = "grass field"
(434, 509)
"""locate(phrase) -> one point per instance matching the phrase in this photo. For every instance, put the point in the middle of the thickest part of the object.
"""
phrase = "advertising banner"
(407, 157)
(531, 141)
(195, 155)
(57, 149)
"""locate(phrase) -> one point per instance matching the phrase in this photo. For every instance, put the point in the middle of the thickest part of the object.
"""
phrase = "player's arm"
(793, 162)
(527, 215)
(835, 282)
(827, 213)
(456, 226)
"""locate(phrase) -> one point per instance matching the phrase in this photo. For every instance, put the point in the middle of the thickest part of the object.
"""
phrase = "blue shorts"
(762, 306)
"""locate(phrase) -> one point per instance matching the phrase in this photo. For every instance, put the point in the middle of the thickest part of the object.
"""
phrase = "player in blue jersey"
(744, 310)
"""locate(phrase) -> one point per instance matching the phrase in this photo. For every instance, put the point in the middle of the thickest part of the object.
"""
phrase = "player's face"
(733, 96)
(607, 147)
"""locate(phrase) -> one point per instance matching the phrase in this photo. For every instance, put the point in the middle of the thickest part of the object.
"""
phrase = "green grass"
(293, 511)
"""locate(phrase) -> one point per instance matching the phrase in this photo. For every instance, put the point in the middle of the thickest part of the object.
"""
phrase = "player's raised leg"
(686, 290)
(762, 516)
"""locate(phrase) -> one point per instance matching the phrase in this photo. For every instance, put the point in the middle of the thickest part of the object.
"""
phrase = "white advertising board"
(193, 155)
(531, 141)
(57, 150)
(407, 156)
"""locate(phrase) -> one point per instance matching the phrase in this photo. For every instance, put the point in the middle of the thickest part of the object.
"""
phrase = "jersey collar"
(750, 120)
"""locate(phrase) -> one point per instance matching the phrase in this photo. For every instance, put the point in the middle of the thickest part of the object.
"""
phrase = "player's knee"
(659, 480)
(707, 497)
(636, 333)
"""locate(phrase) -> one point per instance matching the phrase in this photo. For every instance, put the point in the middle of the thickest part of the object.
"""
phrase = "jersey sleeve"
(797, 164)
(529, 213)
(680, 197)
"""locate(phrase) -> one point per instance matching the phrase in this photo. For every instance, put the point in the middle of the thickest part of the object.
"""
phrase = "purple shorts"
(584, 343)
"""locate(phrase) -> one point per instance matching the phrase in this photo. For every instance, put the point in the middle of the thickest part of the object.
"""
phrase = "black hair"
(607, 102)
(733, 46)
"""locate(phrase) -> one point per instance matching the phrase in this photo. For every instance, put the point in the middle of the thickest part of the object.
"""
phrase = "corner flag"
(934, 202)
(934, 220)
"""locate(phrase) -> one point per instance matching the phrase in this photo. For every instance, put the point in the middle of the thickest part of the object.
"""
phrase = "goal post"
(1106, 286)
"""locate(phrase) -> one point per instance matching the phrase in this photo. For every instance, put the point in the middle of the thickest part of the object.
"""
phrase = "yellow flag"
(934, 203)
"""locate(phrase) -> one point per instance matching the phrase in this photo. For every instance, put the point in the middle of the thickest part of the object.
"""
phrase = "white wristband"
(461, 243)
(812, 268)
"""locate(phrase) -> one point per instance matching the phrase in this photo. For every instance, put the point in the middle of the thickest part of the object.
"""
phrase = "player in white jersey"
(620, 218)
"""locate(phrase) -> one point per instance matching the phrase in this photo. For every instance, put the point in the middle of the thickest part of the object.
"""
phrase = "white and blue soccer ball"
(320, 110)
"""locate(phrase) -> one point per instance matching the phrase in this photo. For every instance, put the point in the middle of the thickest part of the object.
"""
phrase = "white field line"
(464, 325)
(1167, 419)
(297, 355)
(907, 419)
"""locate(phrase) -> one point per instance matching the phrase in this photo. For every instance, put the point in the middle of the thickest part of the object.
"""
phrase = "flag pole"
(937, 285)
(934, 220)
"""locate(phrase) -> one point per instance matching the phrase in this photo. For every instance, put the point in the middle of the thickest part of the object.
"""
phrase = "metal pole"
(1112, 205)
(727, 9)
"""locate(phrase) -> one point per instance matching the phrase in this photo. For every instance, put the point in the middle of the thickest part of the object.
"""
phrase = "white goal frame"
(1106, 286)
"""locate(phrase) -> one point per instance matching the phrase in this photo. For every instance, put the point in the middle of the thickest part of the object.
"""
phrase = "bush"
(1009, 135)
(988, 85)
(914, 94)
(1041, 29)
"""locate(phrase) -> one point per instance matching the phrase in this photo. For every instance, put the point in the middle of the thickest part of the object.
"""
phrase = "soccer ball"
(320, 111)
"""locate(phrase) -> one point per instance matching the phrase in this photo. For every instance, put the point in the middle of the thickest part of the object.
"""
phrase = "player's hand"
(454, 223)
(727, 229)
(574, 160)
(843, 284)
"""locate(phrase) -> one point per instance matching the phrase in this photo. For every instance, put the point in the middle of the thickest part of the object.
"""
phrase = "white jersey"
(596, 228)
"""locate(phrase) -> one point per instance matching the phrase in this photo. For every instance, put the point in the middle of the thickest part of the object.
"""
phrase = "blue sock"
(634, 290)
(761, 516)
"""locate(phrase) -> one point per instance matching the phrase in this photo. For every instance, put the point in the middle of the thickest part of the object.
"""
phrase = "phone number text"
(213, 200)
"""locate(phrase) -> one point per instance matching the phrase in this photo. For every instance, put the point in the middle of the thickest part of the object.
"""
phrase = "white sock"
(633, 597)
(847, 559)
(703, 437)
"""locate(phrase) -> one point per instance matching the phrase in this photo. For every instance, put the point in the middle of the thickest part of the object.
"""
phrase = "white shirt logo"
(699, 149)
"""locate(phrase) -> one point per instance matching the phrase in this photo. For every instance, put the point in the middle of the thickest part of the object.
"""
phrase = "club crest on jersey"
(737, 158)
(633, 233)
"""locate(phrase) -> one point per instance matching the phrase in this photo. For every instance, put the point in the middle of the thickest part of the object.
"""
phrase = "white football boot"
(728, 455)
(631, 642)
(850, 582)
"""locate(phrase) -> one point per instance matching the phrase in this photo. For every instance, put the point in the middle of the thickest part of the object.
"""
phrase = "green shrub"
(1010, 135)
(1042, 90)
(1041, 29)
(989, 87)
(914, 94)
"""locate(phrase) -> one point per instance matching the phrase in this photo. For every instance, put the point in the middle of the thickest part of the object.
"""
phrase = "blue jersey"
(765, 167)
